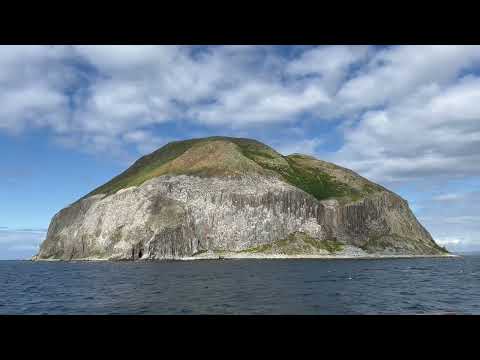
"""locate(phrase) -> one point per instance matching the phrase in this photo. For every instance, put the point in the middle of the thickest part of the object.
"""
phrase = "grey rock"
(175, 217)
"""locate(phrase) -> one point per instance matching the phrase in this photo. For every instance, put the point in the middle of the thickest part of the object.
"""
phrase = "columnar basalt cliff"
(235, 197)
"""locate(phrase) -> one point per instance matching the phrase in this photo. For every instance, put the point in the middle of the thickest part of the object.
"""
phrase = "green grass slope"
(296, 244)
(226, 156)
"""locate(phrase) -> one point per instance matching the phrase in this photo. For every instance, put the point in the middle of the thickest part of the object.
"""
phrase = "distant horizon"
(406, 117)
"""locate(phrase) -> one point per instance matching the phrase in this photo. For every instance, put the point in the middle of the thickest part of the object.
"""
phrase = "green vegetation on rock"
(397, 242)
(317, 183)
(225, 156)
(296, 244)
(142, 169)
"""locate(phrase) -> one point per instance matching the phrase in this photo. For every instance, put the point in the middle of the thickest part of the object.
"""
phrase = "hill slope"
(236, 157)
(222, 195)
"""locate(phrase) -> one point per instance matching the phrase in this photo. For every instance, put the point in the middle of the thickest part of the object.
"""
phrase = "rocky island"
(222, 197)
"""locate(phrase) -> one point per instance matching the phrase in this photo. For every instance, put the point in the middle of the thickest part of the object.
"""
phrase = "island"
(223, 197)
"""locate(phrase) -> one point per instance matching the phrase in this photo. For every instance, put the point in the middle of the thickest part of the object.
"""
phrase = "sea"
(297, 286)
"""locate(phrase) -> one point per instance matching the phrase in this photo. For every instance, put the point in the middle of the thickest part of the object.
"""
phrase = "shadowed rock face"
(233, 195)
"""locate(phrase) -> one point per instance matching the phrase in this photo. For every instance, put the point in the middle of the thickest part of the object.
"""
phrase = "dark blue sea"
(382, 286)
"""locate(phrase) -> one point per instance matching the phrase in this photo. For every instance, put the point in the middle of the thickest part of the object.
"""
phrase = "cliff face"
(216, 197)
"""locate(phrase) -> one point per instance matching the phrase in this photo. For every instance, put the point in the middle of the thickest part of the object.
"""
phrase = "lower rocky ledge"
(240, 256)
(297, 245)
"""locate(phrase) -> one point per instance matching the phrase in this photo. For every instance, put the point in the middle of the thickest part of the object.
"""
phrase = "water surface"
(382, 286)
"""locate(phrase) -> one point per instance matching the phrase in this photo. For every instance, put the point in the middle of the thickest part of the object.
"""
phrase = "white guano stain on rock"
(183, 217)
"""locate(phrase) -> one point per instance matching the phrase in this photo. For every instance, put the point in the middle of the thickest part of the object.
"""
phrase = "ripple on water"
(405, 286)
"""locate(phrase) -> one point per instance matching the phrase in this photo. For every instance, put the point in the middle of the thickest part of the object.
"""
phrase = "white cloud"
(259, 103)
(410, 115)
(33, 81)
(448, 241)
(331, 63)
(20, 244)
(122, 58)
(428, 115)
(394, 72)
(434, 132)
(237, 87)
(448, 197)
(145, 141)
(230, 85)
(304, 146)
(460, 244)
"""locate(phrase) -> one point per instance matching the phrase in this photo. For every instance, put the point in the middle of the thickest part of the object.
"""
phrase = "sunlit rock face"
(235, 196)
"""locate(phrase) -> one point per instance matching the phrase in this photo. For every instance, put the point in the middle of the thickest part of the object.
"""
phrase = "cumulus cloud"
(405, 111)
(33, 82)
(91, 96)
(434, 132)
(256, 102)
(394, 72)
(393, 103)
(330, 63)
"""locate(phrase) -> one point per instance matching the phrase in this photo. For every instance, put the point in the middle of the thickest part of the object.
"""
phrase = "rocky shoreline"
(236, 256)
(319, 257)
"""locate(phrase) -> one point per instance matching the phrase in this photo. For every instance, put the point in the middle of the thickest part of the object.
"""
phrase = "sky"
(407, 117)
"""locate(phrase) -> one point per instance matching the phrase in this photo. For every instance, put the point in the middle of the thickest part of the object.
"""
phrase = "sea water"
(374, 286)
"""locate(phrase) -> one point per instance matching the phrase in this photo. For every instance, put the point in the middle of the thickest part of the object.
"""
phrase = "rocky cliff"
(239, 197)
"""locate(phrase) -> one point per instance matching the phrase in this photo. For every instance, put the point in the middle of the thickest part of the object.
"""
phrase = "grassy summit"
(234, 157)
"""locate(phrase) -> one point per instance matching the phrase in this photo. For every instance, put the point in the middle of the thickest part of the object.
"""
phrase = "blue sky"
(408, 117)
